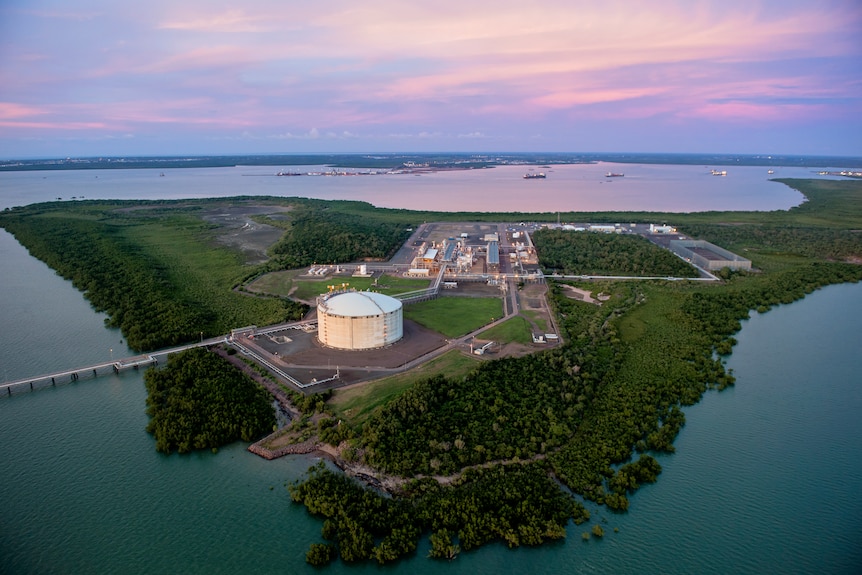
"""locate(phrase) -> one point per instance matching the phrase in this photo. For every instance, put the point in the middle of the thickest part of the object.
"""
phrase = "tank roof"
(359, 304)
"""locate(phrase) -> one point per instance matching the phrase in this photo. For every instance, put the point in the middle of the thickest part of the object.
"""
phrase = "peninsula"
(473, 449)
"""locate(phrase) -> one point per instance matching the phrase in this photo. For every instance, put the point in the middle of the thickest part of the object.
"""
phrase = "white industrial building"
(358, 320)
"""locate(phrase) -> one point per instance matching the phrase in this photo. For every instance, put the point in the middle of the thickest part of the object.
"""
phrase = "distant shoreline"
(430, 162)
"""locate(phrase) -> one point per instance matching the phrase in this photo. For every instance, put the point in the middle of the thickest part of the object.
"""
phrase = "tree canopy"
(199, 401)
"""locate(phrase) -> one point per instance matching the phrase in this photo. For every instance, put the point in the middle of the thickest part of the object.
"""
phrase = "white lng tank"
(359, 320)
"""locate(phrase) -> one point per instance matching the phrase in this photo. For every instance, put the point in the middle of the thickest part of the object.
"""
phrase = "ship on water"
(614, 175)
(534, 176)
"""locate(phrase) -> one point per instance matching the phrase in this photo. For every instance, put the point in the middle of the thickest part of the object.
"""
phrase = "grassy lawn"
(356, 404)
(455, 316)
(516, 329)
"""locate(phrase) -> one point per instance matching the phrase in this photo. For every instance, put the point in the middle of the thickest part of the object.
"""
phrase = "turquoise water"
(765, 479)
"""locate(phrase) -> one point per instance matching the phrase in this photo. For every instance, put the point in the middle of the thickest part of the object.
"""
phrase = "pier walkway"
(95, 370)
(72, 375)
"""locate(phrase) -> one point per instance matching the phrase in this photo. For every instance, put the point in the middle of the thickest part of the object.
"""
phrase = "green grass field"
(516, 329)
(356, 404)
(455, 316)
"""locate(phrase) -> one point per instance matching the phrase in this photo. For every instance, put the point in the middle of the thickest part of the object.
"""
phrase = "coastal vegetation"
(199, 401)
(518, 504)
(156, 272)
(514, 449)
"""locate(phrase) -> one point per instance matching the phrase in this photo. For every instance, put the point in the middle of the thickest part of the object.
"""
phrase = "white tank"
(359, 320)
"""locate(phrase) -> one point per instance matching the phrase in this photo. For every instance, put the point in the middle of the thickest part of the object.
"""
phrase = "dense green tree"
(199, 401)
(591, 253)
(320, 554)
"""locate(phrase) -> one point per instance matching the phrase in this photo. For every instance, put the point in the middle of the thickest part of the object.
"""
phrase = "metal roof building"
(493, 254)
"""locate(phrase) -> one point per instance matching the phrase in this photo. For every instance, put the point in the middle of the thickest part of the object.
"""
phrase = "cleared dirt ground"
(240, 231)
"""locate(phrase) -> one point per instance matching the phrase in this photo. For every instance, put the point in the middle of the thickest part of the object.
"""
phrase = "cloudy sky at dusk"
(102, 77)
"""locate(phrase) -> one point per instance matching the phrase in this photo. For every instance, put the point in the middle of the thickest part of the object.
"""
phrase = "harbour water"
(577, 187)
(765, 478)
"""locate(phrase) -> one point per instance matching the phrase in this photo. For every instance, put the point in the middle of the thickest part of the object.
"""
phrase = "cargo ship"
(614, 175)
(534, 176)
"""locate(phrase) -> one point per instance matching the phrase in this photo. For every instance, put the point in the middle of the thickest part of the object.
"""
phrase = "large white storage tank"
(359, 320)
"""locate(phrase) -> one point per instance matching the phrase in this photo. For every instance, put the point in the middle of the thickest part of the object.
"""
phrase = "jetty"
(73, 375)
(96, 370)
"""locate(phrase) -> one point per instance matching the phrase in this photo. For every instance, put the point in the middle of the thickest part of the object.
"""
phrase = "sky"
(175, 77)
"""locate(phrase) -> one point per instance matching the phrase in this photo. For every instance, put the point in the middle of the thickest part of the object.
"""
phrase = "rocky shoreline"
(294, 449)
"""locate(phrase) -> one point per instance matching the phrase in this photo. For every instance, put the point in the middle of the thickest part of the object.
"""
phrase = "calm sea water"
(583, 187)
(765, 478)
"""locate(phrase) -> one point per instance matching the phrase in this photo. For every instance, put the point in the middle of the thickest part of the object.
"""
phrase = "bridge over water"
(135, 362)
(95, 370)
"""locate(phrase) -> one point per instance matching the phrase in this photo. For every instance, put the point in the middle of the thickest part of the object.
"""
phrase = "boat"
(771, 172)
(534, 176)
(614, 175)
(719, 173)
(288, 174)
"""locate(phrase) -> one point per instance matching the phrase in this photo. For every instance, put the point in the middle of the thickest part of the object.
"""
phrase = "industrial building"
(708, 256)
(493, 256)
(356, 320)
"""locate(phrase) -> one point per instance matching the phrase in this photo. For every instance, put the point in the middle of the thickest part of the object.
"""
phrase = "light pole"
(112, 354)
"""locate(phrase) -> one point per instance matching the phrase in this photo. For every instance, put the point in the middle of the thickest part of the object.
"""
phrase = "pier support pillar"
(94, 373)
(54, 383)
(9, 391)
(31, 386)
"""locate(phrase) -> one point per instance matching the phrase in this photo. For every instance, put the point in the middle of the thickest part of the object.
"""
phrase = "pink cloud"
(593, 96)
(333, 64)
(14, 110)
(230, 21)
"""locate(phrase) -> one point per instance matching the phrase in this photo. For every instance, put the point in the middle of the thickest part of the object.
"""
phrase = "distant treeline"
(441, 160)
